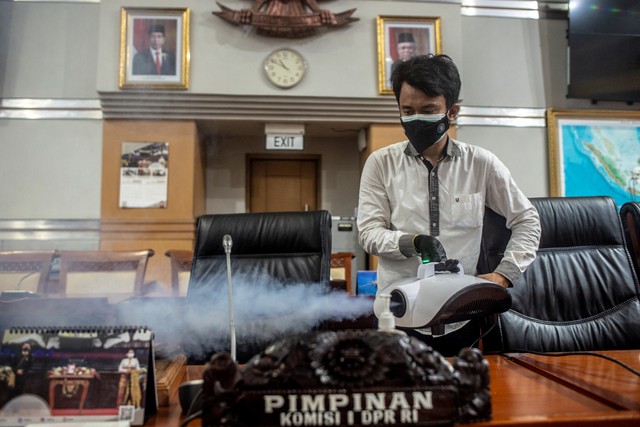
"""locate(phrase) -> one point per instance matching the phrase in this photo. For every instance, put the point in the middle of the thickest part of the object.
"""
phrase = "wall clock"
(285, 67)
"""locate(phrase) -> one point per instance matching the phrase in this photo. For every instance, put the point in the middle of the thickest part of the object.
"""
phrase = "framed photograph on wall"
(400, 38)
(594, 153)
(154, 48)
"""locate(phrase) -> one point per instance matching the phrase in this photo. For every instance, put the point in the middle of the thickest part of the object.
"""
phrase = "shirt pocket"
(467, 210)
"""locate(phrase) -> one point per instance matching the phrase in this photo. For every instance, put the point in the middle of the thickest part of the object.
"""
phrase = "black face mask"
(423, 131)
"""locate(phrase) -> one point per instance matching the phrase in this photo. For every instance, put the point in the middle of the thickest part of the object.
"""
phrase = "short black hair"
(156, 28)
(433, 74)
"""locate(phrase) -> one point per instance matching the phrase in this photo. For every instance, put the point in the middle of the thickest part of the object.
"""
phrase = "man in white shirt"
(432, 186)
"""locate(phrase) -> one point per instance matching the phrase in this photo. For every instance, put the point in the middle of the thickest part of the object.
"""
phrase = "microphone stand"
(227, 243)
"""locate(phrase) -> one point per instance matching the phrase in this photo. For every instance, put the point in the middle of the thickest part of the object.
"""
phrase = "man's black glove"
(451, 265)
(432, 250)
(429, 248)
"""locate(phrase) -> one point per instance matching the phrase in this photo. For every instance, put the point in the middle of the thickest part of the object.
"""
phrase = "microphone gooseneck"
(227, 243)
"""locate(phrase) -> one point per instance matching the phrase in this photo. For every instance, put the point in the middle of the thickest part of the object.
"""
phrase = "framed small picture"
(400, 38)
(594, 153)
(154, 48)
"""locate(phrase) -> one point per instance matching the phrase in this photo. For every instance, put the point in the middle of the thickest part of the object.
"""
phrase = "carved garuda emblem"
(286, 18)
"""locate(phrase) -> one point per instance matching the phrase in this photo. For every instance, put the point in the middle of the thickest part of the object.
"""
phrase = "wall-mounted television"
(604, 50)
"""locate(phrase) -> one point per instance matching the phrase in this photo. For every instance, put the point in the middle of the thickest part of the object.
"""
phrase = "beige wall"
(48, 50)
(50, 169)
(172, 227)
(228, 59)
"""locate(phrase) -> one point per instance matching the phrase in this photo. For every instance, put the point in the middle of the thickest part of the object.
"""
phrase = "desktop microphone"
(227, 243)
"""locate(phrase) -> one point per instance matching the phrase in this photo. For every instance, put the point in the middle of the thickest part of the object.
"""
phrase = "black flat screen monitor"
(604, 50)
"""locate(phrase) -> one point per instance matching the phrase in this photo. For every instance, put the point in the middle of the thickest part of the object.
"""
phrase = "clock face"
(285, 67)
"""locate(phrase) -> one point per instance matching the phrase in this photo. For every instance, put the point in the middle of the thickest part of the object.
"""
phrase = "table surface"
(533, 390)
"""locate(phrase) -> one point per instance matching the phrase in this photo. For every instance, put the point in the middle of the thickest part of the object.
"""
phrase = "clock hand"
(282, 64)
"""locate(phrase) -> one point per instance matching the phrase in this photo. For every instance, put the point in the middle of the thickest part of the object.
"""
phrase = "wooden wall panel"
(159, 229)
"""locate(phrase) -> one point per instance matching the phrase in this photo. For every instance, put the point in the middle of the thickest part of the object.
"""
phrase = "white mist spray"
(265, 310)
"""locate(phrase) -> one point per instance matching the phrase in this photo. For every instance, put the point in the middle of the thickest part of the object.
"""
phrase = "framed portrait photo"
(154, 48)
(594, 153)
(400, 38)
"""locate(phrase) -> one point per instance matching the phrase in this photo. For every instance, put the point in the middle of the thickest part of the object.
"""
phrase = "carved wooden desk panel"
(523, 396)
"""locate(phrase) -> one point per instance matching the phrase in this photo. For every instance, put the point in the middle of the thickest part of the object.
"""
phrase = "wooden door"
(278, 184)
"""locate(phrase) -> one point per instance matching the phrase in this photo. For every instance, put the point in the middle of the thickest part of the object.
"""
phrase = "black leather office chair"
(630, 216)
(581, 292)
(288, 247)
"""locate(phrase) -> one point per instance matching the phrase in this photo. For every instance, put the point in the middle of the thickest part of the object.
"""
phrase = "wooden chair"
(181, 261)
(25, 270)
(103, 273)
(341, 269)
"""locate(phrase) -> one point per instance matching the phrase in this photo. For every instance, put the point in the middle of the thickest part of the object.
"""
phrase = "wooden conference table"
(532, 390)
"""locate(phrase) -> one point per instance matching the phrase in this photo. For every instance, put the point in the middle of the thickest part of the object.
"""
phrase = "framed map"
(594, 153)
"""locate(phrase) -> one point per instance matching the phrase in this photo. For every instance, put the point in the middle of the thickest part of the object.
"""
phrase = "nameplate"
(391, 406)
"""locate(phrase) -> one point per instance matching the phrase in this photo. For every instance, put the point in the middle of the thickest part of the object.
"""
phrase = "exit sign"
(285, 142)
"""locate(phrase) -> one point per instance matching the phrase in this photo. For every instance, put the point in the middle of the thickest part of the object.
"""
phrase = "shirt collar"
(453, 149)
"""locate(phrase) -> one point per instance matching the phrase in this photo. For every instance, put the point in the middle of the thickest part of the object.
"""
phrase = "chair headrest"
(264, 232)
(564, 221)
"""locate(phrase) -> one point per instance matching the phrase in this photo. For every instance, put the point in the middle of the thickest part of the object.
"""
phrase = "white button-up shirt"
(395, 198)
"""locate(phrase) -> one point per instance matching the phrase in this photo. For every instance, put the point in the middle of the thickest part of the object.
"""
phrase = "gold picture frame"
(142, 31)
(594, 153)
(421, 32)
